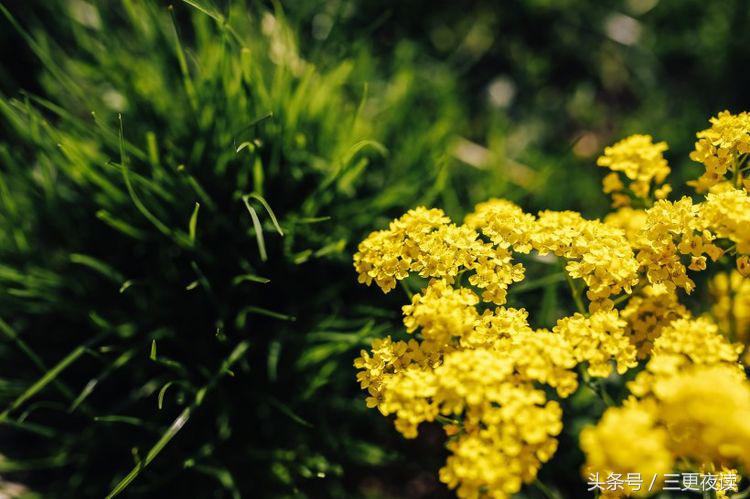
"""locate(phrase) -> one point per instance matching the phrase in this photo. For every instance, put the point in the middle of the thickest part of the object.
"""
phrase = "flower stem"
(546, 491)
(576, 294)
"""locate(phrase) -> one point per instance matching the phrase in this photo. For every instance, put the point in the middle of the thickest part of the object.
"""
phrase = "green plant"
(179, 207)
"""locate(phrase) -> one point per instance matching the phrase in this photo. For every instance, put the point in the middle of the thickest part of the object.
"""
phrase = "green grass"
(180, 201)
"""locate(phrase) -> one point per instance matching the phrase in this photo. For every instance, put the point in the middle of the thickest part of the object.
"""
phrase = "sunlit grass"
(179, 207)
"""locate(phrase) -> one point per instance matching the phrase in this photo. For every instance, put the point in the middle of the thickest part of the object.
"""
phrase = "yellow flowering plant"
(498, 385)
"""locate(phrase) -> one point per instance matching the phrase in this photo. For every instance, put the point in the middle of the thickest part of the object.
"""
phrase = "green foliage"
(179, 206)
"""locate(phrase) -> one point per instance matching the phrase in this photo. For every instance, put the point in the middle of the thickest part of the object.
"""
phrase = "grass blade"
(194, 222)
(180, 421)
(48, 377)
(258, 229)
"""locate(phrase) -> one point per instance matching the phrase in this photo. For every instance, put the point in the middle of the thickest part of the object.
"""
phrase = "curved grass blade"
(133, 196)
(262, 201)
(98, 266)
(258, 229)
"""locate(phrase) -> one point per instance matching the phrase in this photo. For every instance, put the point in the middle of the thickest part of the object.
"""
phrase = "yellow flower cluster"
(706, 411)
(642, 162)
(629, 220)
(494, 382)
(690, 405)
(694, 420)
(495, 455)
(427, 243)
(673, 229)
(727, 214)
(481, 370)
(684, 343)
(596, 252)
(386, 359)
(722, 149)
(597, 340)
(507, 426)
(504, 223)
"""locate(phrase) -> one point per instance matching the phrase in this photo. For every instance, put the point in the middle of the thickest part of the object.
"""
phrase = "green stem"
(406, 289)
(546, 491)
(736, 171)
(596, 386)
(732, 333)
(576, 295)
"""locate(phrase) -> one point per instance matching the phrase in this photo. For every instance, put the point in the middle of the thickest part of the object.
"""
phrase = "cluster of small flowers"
(479, 368)
(721, 149)
(478, 372)
(424, 241)
(688, 407)
(642, 162)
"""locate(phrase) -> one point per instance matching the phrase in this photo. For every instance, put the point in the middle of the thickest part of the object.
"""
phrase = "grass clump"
(181, 194)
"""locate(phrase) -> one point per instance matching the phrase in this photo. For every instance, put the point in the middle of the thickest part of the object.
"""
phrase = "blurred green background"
(182, 189)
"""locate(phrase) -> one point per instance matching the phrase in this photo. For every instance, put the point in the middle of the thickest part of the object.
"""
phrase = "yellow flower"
(597, 253)
(426, 242)
(495, 326)
(504, 445)
(492, 381)
(720, 147)
(683, 343)
(663, 191)
(727, 214)
(631, 221)
(544, 357)
(696, 419)
(673, 229)
(612, 183)
(409, 394)
(442, 312)
(640, 160)
(504, 223)
(388, 358)
(706, 411)
(598, 340)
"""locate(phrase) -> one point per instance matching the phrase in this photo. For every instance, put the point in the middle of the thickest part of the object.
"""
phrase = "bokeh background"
(152, 316)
